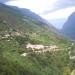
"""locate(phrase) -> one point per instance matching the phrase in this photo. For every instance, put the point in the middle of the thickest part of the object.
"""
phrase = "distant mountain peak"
(69, 27)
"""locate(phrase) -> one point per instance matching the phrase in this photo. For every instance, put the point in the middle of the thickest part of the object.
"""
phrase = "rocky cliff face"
(69, 27)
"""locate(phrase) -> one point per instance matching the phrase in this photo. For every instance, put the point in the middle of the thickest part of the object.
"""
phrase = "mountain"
(30, 47)
(28, 13)
(69, 27)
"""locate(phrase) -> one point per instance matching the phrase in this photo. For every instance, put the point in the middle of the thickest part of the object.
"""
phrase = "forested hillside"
(53, 54)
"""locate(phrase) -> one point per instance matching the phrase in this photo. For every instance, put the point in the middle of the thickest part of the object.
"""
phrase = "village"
(41, 48)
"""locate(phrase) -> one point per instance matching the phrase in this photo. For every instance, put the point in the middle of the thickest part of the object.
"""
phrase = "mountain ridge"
(69, 27)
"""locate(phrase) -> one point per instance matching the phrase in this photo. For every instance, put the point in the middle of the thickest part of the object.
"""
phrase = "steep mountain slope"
(14, 21)
(69, 27)
(16, 31)
(28, 13)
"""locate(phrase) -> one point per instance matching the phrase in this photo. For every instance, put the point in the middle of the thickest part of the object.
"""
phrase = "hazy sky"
(48, 9)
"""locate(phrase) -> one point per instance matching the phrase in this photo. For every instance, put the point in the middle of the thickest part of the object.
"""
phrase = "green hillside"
(16, 31)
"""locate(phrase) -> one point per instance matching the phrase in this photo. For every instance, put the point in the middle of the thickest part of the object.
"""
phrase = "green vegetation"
(11, 62)
(15, 32)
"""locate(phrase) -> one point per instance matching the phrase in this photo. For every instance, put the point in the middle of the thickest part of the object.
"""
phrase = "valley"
(31, 47)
